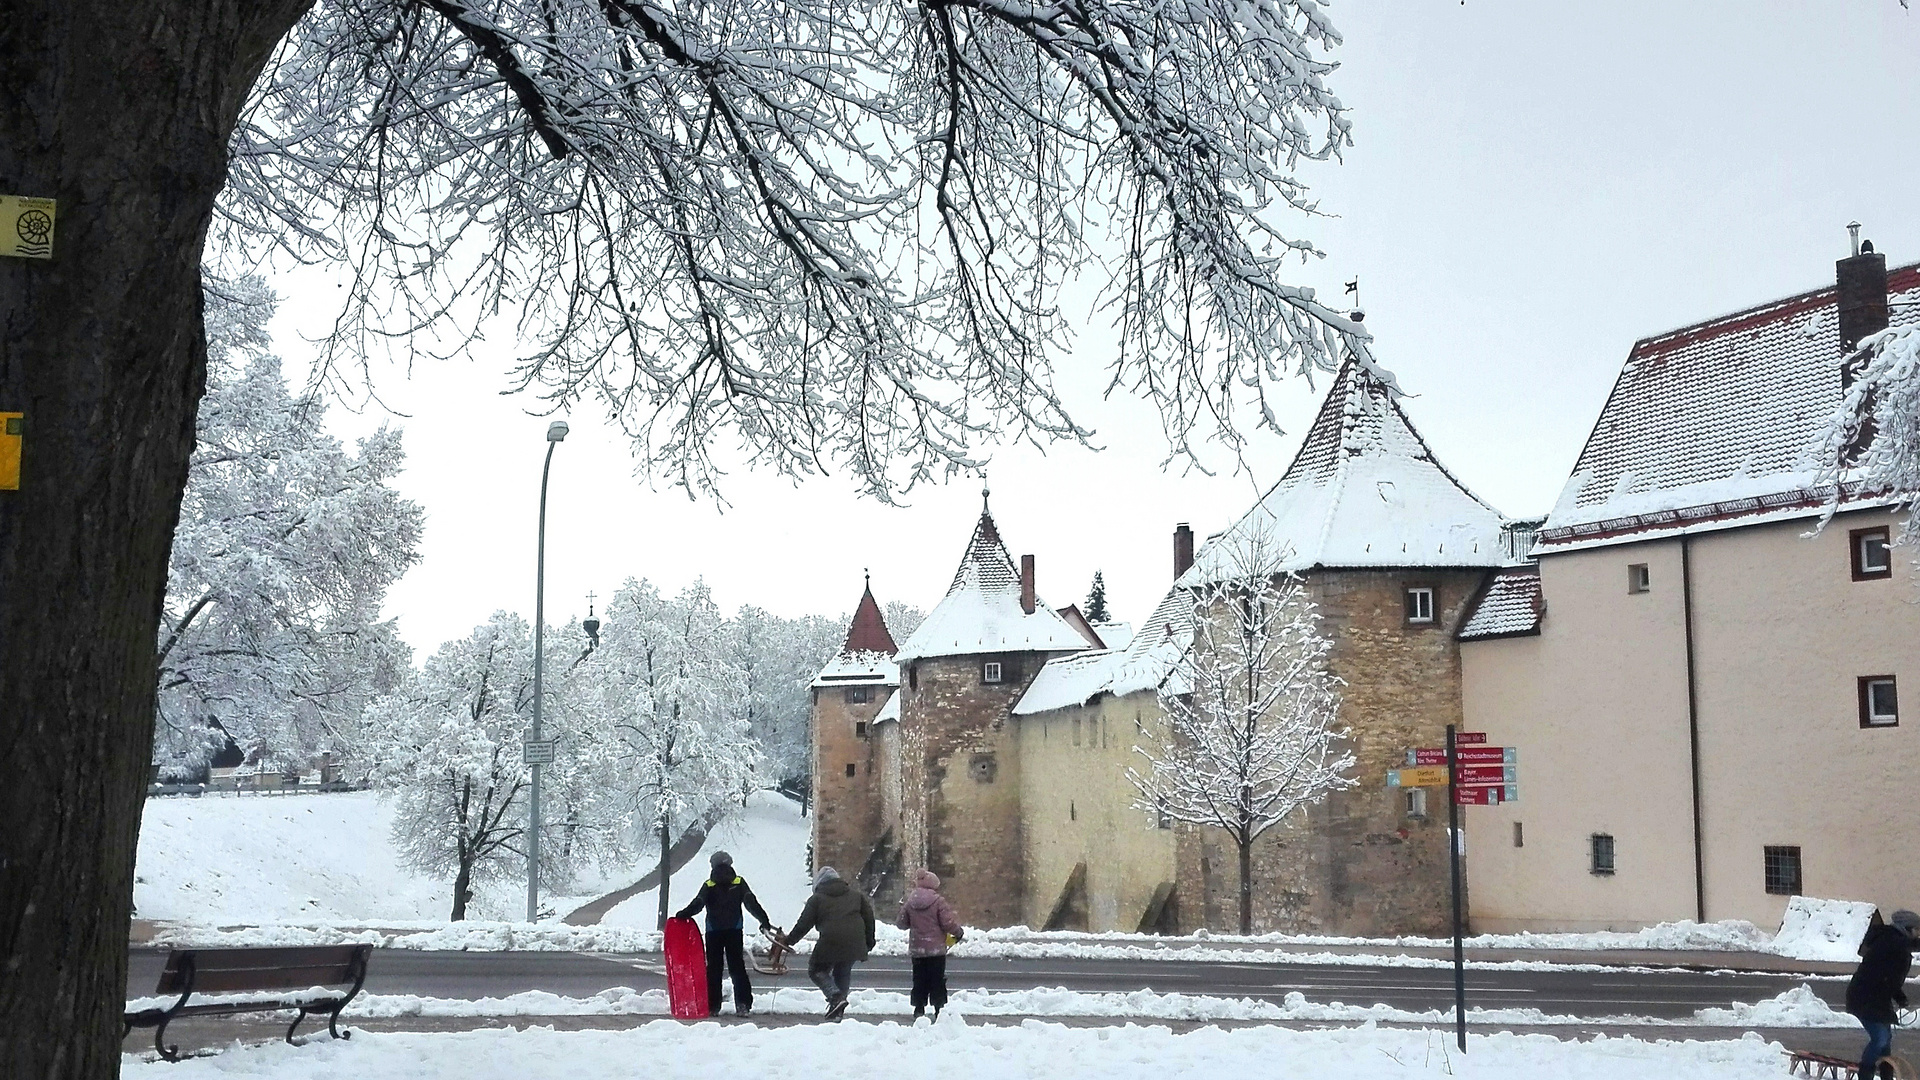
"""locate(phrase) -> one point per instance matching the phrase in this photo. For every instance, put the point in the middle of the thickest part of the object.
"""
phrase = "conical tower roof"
(1363, 491)
(981, 612)
(867, 656)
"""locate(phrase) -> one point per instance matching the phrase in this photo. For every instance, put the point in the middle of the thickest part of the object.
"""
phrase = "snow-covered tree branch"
(1251, 731)
(828, 233)
(1872, 442)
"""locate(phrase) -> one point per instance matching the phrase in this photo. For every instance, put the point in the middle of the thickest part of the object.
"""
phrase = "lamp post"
(556, 431)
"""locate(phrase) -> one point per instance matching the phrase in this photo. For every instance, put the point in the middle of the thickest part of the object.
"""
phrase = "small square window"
(858, 695)
(860, 728)
(852, 769)
(1783, 871)
(1639, 580)
(1871, 556)
(1879, 703)
(1161, 818)
(1417, 802)
(1600, 853)
(1420, 605)
(990, 671)
(1519, 837)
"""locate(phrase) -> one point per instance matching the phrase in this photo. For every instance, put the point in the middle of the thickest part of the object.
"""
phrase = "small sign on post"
(1469, 755)
(26, 227)
(1424, 776)
(11, 437)
(537, 751)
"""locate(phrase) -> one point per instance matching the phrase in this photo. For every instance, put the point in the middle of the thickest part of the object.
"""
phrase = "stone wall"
(847, 819)
(960, 781)
(1358, 863)
(1078, 811)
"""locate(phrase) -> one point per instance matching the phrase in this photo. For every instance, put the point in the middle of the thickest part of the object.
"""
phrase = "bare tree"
(830, 233)
(1251, 731)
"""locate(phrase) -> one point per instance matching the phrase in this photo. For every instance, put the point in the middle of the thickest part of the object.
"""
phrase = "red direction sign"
(1465, 738)
(1469, 755)
(1486, 796)
(1486, 774)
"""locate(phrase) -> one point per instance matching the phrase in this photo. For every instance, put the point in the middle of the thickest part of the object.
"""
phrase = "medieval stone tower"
(851, 773)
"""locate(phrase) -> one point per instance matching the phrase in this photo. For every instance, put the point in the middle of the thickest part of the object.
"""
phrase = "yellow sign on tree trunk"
(26, 227)
(10, 439)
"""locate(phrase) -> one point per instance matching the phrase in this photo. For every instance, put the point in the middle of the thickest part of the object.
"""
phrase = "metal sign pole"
(1453, 857)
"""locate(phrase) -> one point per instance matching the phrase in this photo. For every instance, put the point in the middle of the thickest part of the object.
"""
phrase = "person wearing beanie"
(844, 917)
(930, 925)
(1879, 984)
(723, 895)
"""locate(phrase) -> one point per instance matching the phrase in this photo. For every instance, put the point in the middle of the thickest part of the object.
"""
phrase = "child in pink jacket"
(930, 925)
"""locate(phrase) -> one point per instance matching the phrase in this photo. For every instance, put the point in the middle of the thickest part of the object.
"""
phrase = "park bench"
(255, 980)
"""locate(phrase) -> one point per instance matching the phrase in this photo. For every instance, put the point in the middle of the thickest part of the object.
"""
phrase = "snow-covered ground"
(666, 1050)
(768, 841)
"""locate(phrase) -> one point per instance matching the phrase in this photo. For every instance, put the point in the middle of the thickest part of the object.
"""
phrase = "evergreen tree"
(1097, 601)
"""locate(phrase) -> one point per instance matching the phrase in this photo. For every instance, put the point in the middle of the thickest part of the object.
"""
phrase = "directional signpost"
(537, 751)
(1474, 774)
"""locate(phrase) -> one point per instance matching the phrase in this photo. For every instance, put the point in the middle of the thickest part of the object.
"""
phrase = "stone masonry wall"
(846, 809)
(960, 767)
(1358, 863)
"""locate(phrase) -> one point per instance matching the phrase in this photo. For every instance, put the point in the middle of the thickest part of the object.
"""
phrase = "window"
(1073, 812)
(990, 671)
(1161, 818)
(1601, 854)
(860, 728)
(1417, 802)
(1519, 838)
(1076, 731)
(1879, 705)
(1871, 559)
(1638, 579)
(913, 676)
(857, 695)
(1783, 871)
(1420, 605)
(852, 769)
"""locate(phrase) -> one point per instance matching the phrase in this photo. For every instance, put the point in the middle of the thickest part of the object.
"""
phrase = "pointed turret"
(869, 630)
(1364, 491)
(990, 607)
(867, 656)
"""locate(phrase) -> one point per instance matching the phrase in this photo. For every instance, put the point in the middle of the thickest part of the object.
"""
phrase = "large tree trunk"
(1246, 886)
(462, 891)
(121, 112)
(666, 869)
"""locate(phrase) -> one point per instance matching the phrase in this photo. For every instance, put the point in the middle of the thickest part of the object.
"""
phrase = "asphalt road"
(1667, 994)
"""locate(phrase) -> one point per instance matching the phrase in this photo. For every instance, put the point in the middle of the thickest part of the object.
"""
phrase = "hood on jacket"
(826, 874)
(833, 887)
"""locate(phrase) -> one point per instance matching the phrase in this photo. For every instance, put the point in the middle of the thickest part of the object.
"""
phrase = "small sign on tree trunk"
(26, 227)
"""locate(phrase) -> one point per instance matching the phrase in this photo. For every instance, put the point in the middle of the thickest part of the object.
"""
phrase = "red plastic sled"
(686, 970)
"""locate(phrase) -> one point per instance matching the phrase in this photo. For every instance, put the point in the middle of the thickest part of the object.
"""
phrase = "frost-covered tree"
(447, 750)
(286, 546)
(902, 620)
(672, 705)
(1097, 600)
(823, 233)
(1251, 732)
(777, 659)
(1872, 442)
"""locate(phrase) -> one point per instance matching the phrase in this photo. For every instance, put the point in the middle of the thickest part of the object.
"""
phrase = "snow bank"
(666, 1050)
(1816, 929)
(1798, 1007)
(464, 936)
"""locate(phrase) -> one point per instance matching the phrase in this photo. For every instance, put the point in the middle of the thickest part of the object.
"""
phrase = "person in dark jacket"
(723, 896)
(1879, 984)
(844, 917)
(930, 924)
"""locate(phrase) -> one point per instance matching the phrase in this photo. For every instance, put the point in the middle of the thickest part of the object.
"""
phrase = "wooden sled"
(771, 958)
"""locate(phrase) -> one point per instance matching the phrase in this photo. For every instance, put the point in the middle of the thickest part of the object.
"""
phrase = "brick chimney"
(1182, 550)
(1862, 280)
(1026, 584)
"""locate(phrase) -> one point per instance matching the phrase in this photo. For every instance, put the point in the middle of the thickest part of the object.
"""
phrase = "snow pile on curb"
(459, 937)
(1798, 1007)
(1815, 929)
(1731, 935)
(1036, 1050)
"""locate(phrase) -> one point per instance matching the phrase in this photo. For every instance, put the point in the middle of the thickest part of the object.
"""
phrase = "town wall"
(847, 810)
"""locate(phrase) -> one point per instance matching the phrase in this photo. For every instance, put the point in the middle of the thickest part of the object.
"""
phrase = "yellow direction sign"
(26, 227)
(10, 425)
(1423, 776)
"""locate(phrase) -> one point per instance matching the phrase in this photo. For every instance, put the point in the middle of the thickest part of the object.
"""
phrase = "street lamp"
(535, 751)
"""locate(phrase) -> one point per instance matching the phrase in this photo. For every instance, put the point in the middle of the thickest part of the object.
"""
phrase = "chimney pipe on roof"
(1026, 584)
(1182, 550)
(1862, 288)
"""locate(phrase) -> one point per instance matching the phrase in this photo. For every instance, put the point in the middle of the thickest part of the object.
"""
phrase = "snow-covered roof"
(890, 712)
(981, 612)
(1146, 662)
(1510, 607)
(1117, 635)
(1715, 424)
(867, 655)
(1364, 491)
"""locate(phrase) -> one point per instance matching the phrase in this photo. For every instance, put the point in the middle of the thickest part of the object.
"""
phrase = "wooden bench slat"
(287, 978)
(224, 969)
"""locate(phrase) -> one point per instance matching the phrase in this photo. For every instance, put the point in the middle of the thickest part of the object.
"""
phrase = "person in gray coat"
(844, 917)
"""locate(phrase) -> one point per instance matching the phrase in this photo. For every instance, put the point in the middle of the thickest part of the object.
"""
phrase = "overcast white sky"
(1533, 187)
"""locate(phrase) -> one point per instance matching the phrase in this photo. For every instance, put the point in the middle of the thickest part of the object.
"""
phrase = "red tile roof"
(869, 630)
(1715, 422)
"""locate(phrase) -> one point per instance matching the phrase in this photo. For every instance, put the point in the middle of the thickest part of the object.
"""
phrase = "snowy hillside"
(217, 861)
(768, 842)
